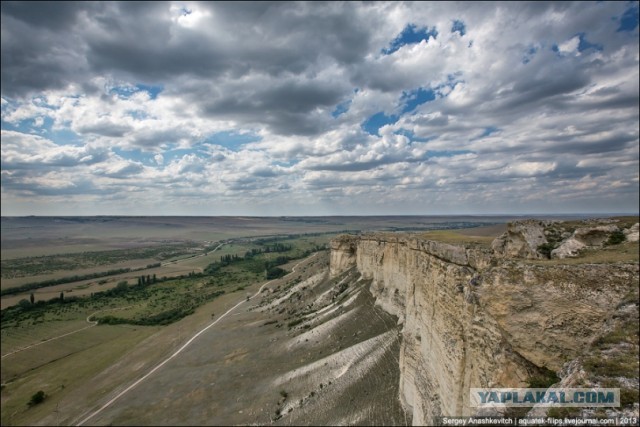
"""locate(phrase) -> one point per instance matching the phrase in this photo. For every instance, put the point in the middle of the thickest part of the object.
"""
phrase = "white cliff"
(472, 318)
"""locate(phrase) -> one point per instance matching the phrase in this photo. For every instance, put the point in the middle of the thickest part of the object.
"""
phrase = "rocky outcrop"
(569, 248)
(534, 239)
(584, 237)
(632, 233)
(521, 240)
(473, 319)
(343, 254)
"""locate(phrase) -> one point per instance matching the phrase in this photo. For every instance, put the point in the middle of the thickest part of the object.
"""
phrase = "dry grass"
(455, 237)
(58, 376)
(623, 253)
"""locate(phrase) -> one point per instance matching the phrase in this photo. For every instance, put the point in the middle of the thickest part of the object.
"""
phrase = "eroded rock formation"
(475, 317)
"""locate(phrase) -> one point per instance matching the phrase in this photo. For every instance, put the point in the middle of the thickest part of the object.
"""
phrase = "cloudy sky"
(181, 108)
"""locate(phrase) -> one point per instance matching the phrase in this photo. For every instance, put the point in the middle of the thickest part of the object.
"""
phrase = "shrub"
(629, 396)
(37, 398)
(563, 412)
(546, 248)
(295, 322)
(545, 379)
(275, 272)
(616, 237)
(620, 366)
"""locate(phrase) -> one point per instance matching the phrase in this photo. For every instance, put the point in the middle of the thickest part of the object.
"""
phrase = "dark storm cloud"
(137, 38)
(285, 106)
(45, 14)
(143, 42)
(40, 46)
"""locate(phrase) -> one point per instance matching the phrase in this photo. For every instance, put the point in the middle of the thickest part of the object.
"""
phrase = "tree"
(154, 278)
(32, 298)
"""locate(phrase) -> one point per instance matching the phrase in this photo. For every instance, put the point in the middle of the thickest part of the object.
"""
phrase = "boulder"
(521, 240)
(583, 237)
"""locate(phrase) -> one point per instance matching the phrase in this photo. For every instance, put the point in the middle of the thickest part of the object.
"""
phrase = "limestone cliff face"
(343, 254)
(471, 319)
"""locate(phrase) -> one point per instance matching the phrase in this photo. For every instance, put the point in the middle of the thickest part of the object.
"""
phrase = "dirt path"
(185, 345)
(178, 261)
(92, 323)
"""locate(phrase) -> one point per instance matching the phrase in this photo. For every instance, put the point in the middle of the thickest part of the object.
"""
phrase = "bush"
(37, 398)
(545, 379)
(275, 272)
(616, 237)
(563, 412)
(629, 396)
(295, 323)
(546, 248)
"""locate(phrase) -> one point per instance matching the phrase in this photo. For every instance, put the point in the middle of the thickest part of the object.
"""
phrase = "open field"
(38, 236)
(68, 250)
(454, 237)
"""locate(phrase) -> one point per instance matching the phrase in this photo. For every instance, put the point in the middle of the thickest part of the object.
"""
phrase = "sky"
(295, 108)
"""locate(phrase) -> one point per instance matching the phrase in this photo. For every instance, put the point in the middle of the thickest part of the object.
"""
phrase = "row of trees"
(147, 280)
(62, 280)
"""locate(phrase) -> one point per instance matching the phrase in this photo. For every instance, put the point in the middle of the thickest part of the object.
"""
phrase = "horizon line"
(325, 216)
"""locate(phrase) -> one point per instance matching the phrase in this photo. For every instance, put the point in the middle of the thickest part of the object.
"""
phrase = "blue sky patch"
(373, 124)
(59, 136)
(138, 114)
(24, 126)
(416, 97)
(585, 44)
(529, 54)
(488, 131)
(629, 20)
(410, 35)
(232, 140)
(152, 90)
(458, 26)
(125, 92)
(341, 108)
(135, 155)
(64, 137)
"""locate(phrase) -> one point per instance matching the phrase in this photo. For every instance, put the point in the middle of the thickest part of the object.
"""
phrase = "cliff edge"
(512, 314)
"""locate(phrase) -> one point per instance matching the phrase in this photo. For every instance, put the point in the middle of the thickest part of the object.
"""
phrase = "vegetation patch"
(563, 412)
(31, 266)
(545, 378)
(616, 238)
(295, 323)
(37, 398)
